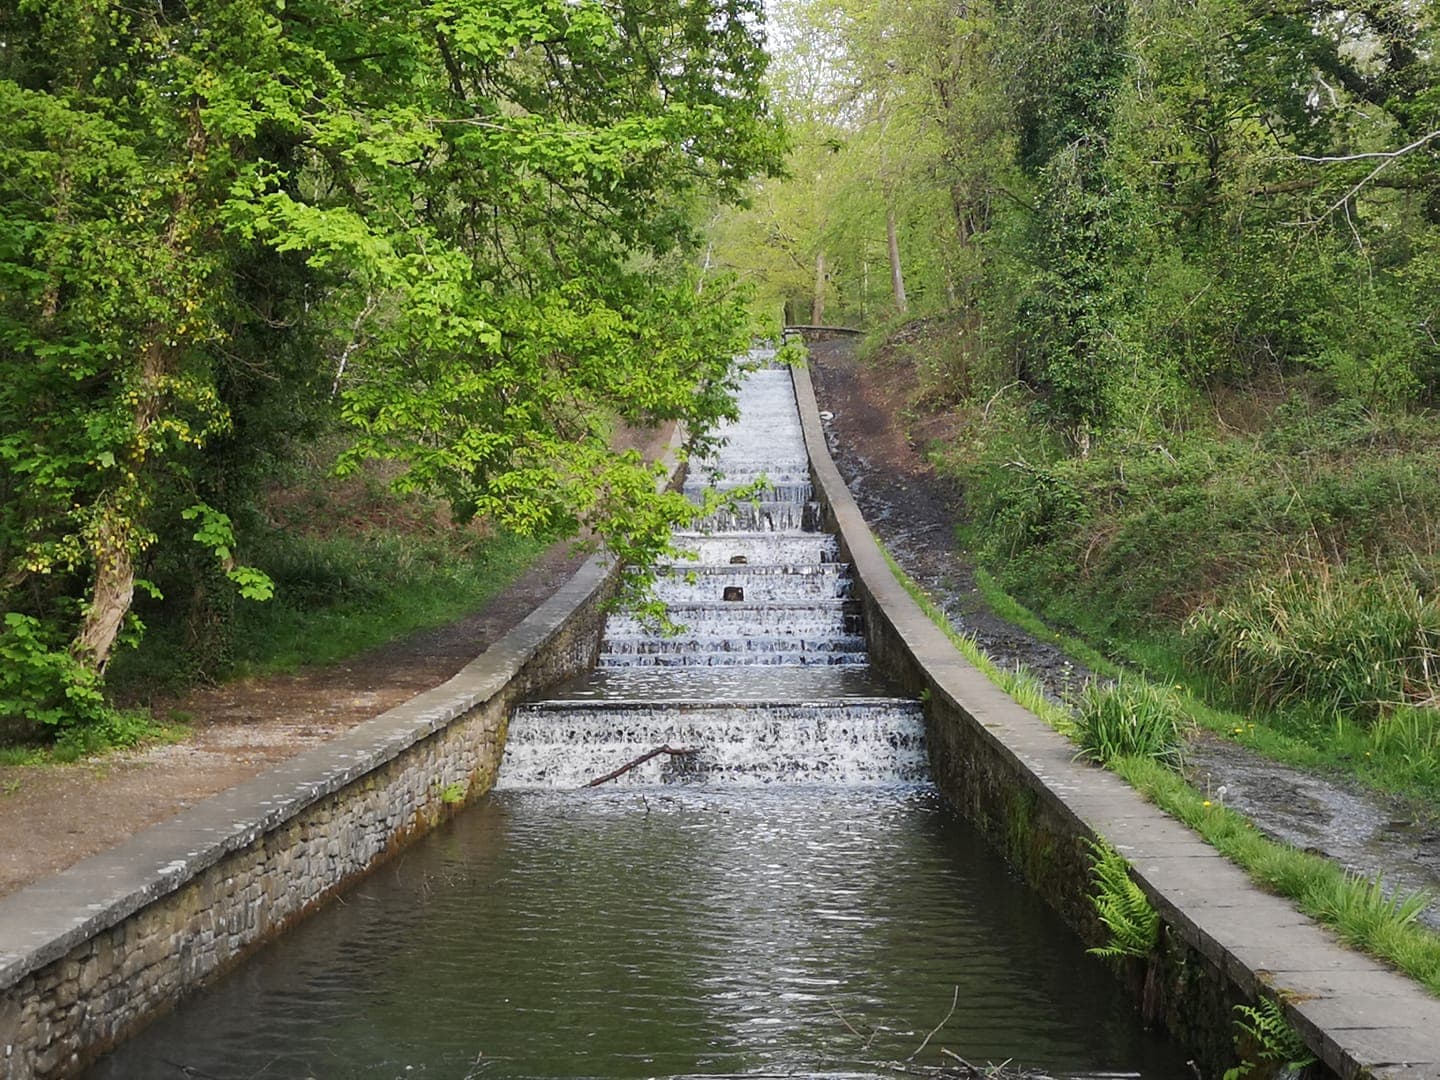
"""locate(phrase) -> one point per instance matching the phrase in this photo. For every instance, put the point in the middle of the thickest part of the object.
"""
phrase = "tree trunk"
(111, 595)
(897, 277)
(115, 540)
(817, 306)
(116, 535)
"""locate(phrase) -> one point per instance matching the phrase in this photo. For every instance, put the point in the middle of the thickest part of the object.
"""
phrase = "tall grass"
(1363, 912)
(1130, 717)
(1340, 637)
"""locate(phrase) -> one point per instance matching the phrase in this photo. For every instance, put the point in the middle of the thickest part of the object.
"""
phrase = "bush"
(46, 694)
(1130, 718)
(42, 686)
(1359, 643)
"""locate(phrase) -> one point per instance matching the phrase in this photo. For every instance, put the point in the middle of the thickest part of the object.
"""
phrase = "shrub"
(1358, 643)
(1122, 905)
(1132, 717)
(41, 684)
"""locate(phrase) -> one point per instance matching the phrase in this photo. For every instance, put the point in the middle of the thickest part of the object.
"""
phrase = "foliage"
(1130, 717)
(44, 686)
(353, 564)
(464, 230)
(1354, 640)
(1121, 904)
(1274, 1047)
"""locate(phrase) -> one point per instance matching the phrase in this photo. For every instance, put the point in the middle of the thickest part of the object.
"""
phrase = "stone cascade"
(766, 678)
(844, 742)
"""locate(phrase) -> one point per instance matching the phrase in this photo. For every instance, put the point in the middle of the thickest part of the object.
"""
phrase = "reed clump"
(1131, 717)
(1342, 637)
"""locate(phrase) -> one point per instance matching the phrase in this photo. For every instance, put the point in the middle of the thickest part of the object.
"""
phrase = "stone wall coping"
(43, 921)
(1357, 1015)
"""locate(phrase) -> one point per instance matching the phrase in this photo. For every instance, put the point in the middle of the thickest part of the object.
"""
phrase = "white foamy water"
(767, 603)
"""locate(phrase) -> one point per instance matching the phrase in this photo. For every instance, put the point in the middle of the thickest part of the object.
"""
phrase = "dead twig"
(672, 751)
(953, 1003)
(853, 1029)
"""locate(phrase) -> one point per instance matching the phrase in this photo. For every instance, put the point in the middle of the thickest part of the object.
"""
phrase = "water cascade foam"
(767, 679)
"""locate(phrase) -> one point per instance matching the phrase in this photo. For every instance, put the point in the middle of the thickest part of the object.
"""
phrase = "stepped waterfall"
(791, 898)
(767, 679)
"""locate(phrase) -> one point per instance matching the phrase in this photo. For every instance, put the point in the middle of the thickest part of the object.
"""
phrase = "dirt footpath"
(53, 816)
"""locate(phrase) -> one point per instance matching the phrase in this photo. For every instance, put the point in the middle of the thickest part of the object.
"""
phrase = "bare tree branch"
(1388, 155)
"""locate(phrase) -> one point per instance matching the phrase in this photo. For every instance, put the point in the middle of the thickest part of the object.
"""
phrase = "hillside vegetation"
(1176, 270)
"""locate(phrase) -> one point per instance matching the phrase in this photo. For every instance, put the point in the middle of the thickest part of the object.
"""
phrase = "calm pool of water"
(787, 931)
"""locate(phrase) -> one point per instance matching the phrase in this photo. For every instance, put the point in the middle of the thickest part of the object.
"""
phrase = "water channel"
(791, 899)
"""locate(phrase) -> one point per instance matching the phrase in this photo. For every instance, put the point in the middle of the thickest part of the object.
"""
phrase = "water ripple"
(708, 932)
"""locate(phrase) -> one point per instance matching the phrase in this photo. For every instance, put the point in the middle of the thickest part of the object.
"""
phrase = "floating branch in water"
(672, 751)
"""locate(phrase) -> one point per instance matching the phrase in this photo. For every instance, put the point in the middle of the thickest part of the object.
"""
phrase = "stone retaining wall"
(89, 956)
(1224, 941)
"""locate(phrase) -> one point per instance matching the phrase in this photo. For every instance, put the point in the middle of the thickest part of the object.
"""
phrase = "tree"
(482, 214)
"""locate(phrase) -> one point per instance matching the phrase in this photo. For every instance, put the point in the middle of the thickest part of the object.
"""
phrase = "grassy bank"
(354, 565)
(1362, 912)
(1274, 551)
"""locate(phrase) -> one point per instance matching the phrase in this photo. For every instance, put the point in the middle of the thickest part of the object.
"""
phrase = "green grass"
(1398, 753)
(1132, 717)
(1297, 538)
(120, 730)
(375, 589)
(1005, 606)
(1347, 637)
(337, 596)
(1357, 909)
(1018, 683)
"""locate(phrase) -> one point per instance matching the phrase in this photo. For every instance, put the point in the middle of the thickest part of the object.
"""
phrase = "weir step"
(767, 548)
(763, 516)
(735, 683)
(711, 651)
(851, 742)
(742, 617)
(755, 584)
(790, 491)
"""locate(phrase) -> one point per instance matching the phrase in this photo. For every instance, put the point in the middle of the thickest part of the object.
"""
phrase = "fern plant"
(1275, 1048)
(1122, 906)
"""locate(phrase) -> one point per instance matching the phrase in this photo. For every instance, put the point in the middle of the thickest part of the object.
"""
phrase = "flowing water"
(783, 894)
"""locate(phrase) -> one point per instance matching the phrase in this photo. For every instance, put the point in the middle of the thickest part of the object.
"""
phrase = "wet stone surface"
(912, 511)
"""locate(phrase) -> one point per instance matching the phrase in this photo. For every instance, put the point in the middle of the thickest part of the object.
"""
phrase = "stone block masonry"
(90, 955)
(1224, 940)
